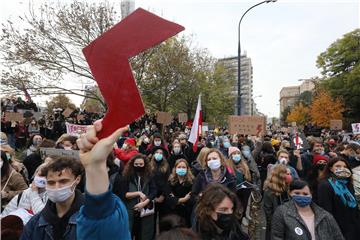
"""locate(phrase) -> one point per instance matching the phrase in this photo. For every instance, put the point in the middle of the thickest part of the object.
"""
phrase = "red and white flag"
(197, 126)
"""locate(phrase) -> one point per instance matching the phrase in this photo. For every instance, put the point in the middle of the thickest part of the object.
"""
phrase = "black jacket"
(347, 218)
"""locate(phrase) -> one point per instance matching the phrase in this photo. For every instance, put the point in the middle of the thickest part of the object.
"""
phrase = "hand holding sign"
(108, 57)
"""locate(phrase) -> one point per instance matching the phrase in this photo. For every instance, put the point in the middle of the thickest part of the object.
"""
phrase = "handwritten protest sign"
(46, 152)
(182, 117)
(75, 130)
(247, 125)
(336, 124)
(13, 116)
(356, 128)
(164, 118)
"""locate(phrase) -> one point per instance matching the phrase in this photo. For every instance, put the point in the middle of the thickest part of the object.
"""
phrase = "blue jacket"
(39, 228)
(103, 216)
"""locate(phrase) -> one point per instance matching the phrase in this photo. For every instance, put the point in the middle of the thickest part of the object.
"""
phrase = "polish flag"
(197, 126)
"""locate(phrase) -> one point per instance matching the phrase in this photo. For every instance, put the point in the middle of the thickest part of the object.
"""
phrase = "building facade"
(248, 106)
(290, 95)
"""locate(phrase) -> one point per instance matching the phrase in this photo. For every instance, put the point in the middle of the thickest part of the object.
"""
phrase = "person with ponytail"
(336, 195)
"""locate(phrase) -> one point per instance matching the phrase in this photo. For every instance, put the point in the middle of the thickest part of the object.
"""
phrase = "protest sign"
(46, 152)
(164, 118)
(13, 116)
(108, 59)
(336, 124)
(205, 127)
(355, 128)
(75, 130)
(298, 140)
(247, 125)
(182, 117)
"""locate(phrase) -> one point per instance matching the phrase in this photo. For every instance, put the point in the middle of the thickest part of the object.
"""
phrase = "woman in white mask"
(216, 171)
(32, 199)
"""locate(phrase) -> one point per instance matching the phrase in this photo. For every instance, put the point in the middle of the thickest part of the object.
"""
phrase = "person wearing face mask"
(12, 182)
(180, 199)
(161, 175)
(137, 188)
(265, 157)
(275, 193)
(33, 160)
(58, 218)
(242, 173)
(224, 146)
(33, 143)
(300, 218)
(216, 171)
(351, 154)
(218, 215)
(158, 141)
(283, 158)
(33, 128)
(175, 154)
(317, 148)
(127, 151)
(336, 195)
(319, 164)
(67, 142)
(32, 199)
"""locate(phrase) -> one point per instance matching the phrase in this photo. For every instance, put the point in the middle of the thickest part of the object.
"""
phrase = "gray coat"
(287, 224)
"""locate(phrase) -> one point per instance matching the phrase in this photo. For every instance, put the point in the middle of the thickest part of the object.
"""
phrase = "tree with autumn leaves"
(322, 109)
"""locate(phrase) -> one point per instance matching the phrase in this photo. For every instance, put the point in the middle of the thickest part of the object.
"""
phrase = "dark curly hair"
(59, 163)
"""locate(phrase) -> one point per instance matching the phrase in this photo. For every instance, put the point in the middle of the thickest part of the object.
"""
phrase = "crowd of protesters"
(148, 182)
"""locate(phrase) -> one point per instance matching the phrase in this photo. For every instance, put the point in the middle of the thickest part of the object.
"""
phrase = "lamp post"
(239, 55)
(253, 102)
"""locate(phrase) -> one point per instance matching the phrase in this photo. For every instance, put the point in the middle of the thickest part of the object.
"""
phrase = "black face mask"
(320, 166)
(225, 221)
(139, 169)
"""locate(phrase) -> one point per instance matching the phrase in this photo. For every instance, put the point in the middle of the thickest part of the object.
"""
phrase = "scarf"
(343, 192)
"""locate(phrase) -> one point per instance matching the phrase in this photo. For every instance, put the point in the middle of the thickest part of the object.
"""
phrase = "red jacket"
(125, 156)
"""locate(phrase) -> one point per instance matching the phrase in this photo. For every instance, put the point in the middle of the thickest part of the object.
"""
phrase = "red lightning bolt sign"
(108, 57)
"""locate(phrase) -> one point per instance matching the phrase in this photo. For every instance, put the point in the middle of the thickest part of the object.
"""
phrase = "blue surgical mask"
(158, 157)
(181, 171)
(236, 158)
(226, 144)
(301, 200)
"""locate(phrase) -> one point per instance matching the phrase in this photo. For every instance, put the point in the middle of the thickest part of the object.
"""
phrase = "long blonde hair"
(201, 158)
(189, 177)
(276, 181)
(244, 168)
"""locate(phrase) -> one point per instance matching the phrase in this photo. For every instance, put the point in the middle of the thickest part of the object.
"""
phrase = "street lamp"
(253, 102)
(239, 55)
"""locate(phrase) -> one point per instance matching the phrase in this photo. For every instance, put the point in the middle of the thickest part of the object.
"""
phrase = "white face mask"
(214, 164)
(60, 194)
(177, 150)
(40, 182)
(283, 161)
(67, 148)
(157, 143)
(146, 140)
(124, 146)
(1, 164)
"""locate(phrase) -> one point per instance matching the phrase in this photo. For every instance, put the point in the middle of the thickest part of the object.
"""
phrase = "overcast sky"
(283, 39)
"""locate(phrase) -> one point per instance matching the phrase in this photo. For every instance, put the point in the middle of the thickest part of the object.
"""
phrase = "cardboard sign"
(108, 59)
(247, 125)
(13, 116)
(205, 127)
(75, 130)
(67, 112)
(182, 117)
(355, 128)
(336, 124)
(164, 118)
(46, 152)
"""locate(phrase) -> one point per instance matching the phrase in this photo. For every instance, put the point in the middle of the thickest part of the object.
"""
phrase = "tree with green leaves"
(59, 101)
(340, 65)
